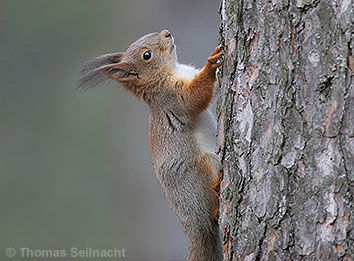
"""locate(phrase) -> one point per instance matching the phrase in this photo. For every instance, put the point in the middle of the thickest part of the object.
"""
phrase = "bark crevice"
(285, 131)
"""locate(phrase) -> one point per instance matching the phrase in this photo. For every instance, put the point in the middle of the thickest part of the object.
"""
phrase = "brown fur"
(176, 103)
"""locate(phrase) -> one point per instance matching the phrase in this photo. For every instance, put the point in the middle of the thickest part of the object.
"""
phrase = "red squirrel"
(181, 129)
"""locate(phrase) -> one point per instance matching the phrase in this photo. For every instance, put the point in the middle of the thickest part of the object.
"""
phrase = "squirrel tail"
(205, 245)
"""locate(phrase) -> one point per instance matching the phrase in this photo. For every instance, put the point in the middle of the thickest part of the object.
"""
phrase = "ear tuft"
(90, 73)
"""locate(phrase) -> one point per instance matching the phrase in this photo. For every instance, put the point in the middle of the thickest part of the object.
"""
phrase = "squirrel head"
(146, 61)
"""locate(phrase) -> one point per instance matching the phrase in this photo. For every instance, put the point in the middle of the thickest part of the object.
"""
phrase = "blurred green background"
(75, 169)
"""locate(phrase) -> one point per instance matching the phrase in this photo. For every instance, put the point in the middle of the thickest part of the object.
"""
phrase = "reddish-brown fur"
(176, 102)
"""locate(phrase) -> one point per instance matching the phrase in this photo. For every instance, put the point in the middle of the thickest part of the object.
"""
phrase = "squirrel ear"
(95, 71)
(122, 72)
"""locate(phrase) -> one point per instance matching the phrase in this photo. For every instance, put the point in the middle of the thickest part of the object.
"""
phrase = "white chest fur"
(204, 135)
(205, 132)
(186, 71)
(205, 128)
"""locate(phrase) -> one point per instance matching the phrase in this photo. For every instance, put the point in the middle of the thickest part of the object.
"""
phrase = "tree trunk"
(286, 129)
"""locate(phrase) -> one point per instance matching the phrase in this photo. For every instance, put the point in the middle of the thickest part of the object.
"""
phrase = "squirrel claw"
(216, 50)
(214, 57)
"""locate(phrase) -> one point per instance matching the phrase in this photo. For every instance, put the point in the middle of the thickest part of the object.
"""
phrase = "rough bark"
(286, 129)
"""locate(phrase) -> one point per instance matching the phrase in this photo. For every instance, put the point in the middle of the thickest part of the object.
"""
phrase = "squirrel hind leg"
(216, 184)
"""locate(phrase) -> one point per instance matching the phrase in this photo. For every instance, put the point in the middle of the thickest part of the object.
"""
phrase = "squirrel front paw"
(214, 57)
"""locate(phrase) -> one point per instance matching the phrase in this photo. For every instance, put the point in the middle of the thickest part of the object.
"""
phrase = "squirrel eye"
(147, 55)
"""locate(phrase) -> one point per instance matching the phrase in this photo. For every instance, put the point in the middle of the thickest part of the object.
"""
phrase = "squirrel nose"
(166, 33)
